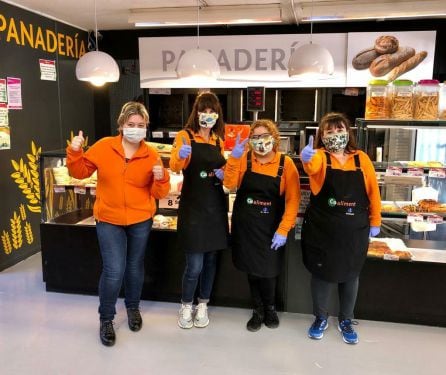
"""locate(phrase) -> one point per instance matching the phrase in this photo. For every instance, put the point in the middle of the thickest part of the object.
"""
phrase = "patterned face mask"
(263, 145)
(335, 142)
(207, 120)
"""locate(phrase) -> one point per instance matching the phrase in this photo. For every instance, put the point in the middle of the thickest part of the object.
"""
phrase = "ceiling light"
(198, 63)
(209, 15)
(310, 61)
(97, 67)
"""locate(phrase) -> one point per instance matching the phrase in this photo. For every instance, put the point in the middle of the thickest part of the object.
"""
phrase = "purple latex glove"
(374, 231)
(278, 241)
(308, 152)
(219, 173)
(185, 150)
(239, 147)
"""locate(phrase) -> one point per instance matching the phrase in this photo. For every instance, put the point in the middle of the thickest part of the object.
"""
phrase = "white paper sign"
(47, 70)
(171, 201)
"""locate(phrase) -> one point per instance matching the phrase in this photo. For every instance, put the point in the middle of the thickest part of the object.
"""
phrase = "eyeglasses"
(262, 137)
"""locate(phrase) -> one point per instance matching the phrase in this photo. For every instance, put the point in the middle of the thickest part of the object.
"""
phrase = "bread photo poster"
(390, 55)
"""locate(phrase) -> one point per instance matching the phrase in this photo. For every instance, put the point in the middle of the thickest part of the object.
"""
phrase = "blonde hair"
(130, 109)
(271, 127)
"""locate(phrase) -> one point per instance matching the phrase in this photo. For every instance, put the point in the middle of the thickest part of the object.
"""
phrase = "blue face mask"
(207, 120)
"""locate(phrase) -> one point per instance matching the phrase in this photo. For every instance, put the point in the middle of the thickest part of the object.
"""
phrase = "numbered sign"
(171, 201)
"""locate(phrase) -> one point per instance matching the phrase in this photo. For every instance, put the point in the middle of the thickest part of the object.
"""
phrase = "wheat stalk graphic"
(29, 233)
(22, 212)
(7, 247)
(16, 230)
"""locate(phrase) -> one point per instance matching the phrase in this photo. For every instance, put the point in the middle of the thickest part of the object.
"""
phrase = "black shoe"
(256, 320)
(107, 333)
(271, 318)
(135, 320)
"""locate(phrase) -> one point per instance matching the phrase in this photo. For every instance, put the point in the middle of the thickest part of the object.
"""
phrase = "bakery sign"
(390, 56)
(262, 60)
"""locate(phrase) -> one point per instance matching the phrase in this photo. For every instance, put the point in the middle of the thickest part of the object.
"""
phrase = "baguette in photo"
(385, 63)
(407, 65)
(364, 58)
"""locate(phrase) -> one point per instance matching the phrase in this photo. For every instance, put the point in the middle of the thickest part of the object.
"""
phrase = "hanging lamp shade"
(198, 63)
(97, 67)
(311, 61)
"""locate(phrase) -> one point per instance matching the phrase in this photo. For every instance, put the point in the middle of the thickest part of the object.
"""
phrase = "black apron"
(202, 212)
(258, 210)
(335, 231)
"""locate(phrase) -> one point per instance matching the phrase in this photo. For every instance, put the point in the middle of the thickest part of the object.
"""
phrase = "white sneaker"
(201, 318)
(185, 317)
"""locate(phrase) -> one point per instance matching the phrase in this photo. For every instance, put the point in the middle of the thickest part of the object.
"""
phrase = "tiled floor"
(52, 333)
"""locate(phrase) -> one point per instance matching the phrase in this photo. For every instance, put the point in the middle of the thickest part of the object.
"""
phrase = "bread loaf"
(407, 65)
(364, 58)
(385, 63)
(386, 44)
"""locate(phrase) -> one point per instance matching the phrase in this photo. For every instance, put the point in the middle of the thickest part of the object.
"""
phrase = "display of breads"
(425, 205)
(164, 222)
(62, 177)
(380, 248)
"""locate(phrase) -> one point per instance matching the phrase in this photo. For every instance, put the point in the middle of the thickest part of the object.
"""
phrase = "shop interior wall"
(51, 111)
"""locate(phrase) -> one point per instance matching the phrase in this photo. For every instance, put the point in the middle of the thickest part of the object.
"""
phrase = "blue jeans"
(199, 266)
(122, 250)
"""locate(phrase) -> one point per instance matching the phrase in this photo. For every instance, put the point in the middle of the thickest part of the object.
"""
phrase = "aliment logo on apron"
(332, 202)
(249, 200)
(203, 174)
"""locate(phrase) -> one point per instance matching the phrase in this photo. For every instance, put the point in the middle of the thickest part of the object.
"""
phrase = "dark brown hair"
(202, 102)
(336, 120)
(271, 127)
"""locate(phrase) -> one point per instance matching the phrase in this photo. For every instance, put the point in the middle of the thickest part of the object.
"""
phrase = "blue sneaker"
(316, 331)
(348, 333)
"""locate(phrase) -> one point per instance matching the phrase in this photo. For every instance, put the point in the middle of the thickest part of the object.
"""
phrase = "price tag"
(80, 190)
(437, 172)
(415, 171)
(171, 201)
(391, 257)
(157, 134)
(394, 171)
(172, 134)
(92, 191)
(414, 218)
(435, 219)
(59, 189)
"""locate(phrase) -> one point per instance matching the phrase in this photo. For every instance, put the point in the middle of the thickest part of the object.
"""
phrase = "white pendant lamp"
(198, 63)
(311, 61)
(97, 67)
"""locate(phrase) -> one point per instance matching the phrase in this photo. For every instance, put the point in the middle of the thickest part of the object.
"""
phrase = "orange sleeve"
(175, 163)
(78, 163)
(315, 169)
(160, 188)
(234, 171)
(291, 186)
(372, 188)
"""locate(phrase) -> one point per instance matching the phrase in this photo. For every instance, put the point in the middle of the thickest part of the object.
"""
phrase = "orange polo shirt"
(126, 190)
(176, 164)
(289, 183)
(316, 172)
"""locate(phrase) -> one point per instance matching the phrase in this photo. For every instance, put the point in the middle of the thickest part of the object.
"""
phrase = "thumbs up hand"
(308, 152)
(77, 141)
(158, 170)
(239, 147)
(185, 150)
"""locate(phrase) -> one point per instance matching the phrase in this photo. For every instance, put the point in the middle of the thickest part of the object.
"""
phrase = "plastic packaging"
(427, 93)
(401, 99)
(377, 103)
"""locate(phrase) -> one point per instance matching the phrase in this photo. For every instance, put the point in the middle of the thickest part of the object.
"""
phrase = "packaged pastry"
(426, 100)
(401, 99)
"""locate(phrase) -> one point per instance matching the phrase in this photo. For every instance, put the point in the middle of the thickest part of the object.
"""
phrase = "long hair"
(272, 129)
(202, 102)
(130, 109)
(338, 121)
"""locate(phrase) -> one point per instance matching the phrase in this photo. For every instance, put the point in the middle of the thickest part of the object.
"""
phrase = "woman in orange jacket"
(344, 211)
(265, 209)
(202, 214)
(130, 178)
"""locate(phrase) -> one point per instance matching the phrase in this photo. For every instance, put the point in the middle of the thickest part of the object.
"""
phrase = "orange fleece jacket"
(176, 164)
(289, 183)
(126, 191)
(316, 171)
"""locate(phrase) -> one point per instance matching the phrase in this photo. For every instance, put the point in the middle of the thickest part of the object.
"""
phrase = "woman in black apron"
(344, 211)
(265, 209)
(202, 216)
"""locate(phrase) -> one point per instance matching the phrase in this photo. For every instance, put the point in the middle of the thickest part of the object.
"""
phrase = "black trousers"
(347, 292)
(263, 290)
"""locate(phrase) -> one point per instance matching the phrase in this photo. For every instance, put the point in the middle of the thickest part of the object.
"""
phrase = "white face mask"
(207, 120)
(263, 145)
(134, 135)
